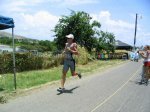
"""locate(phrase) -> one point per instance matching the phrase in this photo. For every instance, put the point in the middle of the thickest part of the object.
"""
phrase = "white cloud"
(143, 38)
(37, 26)
(19, 5)
(14, 6)
(73, 2)
(42, 18)
(79, 2)
(123, 30)
(35, 1)
(146, 34)
(105, 18)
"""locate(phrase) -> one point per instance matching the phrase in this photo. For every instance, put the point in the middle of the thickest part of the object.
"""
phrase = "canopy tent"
(6, 23)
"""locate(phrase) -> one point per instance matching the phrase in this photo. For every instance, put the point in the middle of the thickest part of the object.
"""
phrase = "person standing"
(136, 56)
(69, 62)
(146, 56)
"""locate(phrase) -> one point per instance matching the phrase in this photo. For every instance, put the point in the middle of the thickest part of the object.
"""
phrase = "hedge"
(24, 62)
(29, 61)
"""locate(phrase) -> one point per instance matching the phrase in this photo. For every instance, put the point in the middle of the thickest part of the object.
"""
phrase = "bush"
(3, 99)
(83, 56)
(24, 62)
(6, 63)
(29, 61)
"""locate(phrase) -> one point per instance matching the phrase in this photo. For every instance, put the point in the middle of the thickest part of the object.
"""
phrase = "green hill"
(6, 34)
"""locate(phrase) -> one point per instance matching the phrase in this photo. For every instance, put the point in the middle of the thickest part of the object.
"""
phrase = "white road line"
(107, 99)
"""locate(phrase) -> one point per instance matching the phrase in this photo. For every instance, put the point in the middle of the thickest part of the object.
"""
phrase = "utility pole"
(135, 31)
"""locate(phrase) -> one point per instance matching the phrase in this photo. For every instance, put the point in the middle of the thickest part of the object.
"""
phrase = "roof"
(121, 45)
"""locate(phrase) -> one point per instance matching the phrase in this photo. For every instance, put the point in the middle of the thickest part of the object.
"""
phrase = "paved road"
(114, 90)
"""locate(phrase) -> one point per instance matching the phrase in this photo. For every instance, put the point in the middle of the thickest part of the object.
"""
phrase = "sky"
(37, 18)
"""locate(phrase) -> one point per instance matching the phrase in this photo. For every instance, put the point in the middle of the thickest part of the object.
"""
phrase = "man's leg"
(72, 67)
(64, 72)
(146, 75)
(143, 73)
(63, 77)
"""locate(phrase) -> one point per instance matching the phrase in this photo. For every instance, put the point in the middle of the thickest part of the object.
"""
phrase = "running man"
(69, 62)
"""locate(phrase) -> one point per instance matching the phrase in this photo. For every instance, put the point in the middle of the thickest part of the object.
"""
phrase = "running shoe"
(79, 75)
(61, 89)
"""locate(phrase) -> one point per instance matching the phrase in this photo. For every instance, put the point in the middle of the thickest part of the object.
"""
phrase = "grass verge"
(29, 79)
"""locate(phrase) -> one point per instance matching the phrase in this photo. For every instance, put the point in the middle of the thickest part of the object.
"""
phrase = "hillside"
(6, 34)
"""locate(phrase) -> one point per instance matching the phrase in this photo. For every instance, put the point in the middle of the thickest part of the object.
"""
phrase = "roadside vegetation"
(35, 78)
(46, 66)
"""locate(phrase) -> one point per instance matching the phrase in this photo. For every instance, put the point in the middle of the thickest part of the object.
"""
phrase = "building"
(8, 49)
(122, 46)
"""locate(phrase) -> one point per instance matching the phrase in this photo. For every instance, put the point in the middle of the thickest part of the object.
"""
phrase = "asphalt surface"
(113, 90)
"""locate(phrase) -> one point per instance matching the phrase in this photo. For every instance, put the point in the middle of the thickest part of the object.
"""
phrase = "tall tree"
(81, 26)
(106, 42)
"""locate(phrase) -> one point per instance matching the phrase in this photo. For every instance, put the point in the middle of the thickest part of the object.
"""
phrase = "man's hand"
(68, 48)
(140, 52)
(63, 52)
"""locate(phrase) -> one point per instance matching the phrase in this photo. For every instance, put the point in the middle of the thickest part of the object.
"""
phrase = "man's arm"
(74, 50)
(148, 51)
(142, 54)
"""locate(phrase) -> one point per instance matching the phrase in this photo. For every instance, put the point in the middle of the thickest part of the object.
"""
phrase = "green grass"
(30, 78)
(35, 78)
(97, 65)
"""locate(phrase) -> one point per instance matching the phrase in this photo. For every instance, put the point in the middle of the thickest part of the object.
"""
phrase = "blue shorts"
(69, 63)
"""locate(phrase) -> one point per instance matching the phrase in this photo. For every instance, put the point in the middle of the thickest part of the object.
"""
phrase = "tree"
(6, 40)
(49, 45)
(111, 42)
(106, 42)
(80, 25)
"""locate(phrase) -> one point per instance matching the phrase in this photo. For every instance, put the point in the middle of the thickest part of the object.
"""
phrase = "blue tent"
(6, 23)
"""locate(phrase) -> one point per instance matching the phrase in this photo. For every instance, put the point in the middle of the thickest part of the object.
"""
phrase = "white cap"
(70, 36)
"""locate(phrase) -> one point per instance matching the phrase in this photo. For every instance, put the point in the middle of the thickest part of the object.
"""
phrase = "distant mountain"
(6, 34)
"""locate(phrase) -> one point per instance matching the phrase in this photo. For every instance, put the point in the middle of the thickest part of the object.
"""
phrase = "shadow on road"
(70, 91)
(139, 82)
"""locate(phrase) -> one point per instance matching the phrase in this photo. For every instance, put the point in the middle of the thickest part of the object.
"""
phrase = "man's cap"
(70, 36)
